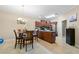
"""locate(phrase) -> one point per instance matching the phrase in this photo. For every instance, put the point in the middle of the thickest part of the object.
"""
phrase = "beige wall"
(69, 24)
(8, 24)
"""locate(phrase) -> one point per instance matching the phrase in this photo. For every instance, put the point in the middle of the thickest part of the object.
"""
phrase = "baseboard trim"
(77, 45)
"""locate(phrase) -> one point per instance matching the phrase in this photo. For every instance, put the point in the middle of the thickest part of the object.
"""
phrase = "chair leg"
(21, 44)
(32, 44)
(26, 45)
(15, 45)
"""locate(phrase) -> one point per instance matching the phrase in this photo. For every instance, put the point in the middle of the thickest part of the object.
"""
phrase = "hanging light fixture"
(21, 20)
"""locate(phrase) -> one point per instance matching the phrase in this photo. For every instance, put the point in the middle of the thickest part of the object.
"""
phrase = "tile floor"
(40, 47)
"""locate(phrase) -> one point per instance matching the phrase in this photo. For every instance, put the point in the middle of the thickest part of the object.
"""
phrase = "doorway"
(64, 26)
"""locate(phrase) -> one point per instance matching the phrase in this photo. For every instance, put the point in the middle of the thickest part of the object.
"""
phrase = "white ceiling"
(36, 10)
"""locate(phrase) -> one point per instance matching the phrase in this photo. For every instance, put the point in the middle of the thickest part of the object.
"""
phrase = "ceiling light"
(19, 18)
(50, 16)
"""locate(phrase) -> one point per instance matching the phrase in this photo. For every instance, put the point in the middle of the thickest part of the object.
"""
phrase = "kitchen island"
(48, 36)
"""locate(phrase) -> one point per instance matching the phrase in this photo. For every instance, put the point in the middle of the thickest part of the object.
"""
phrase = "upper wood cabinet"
(42, 23)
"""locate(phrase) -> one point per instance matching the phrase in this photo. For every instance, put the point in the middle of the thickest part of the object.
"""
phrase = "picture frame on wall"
(72, 18)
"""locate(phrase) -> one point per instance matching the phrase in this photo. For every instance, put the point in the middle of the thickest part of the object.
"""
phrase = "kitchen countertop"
(46, 31)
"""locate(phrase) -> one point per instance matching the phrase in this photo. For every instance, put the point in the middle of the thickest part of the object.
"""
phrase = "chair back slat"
(30, 34)
(15, 34)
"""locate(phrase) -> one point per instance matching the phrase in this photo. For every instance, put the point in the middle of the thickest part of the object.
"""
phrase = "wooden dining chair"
(18, 41)
(35, 35)
(28, 38)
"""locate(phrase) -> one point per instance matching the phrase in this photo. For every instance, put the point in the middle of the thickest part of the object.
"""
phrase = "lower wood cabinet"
(47, 36)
